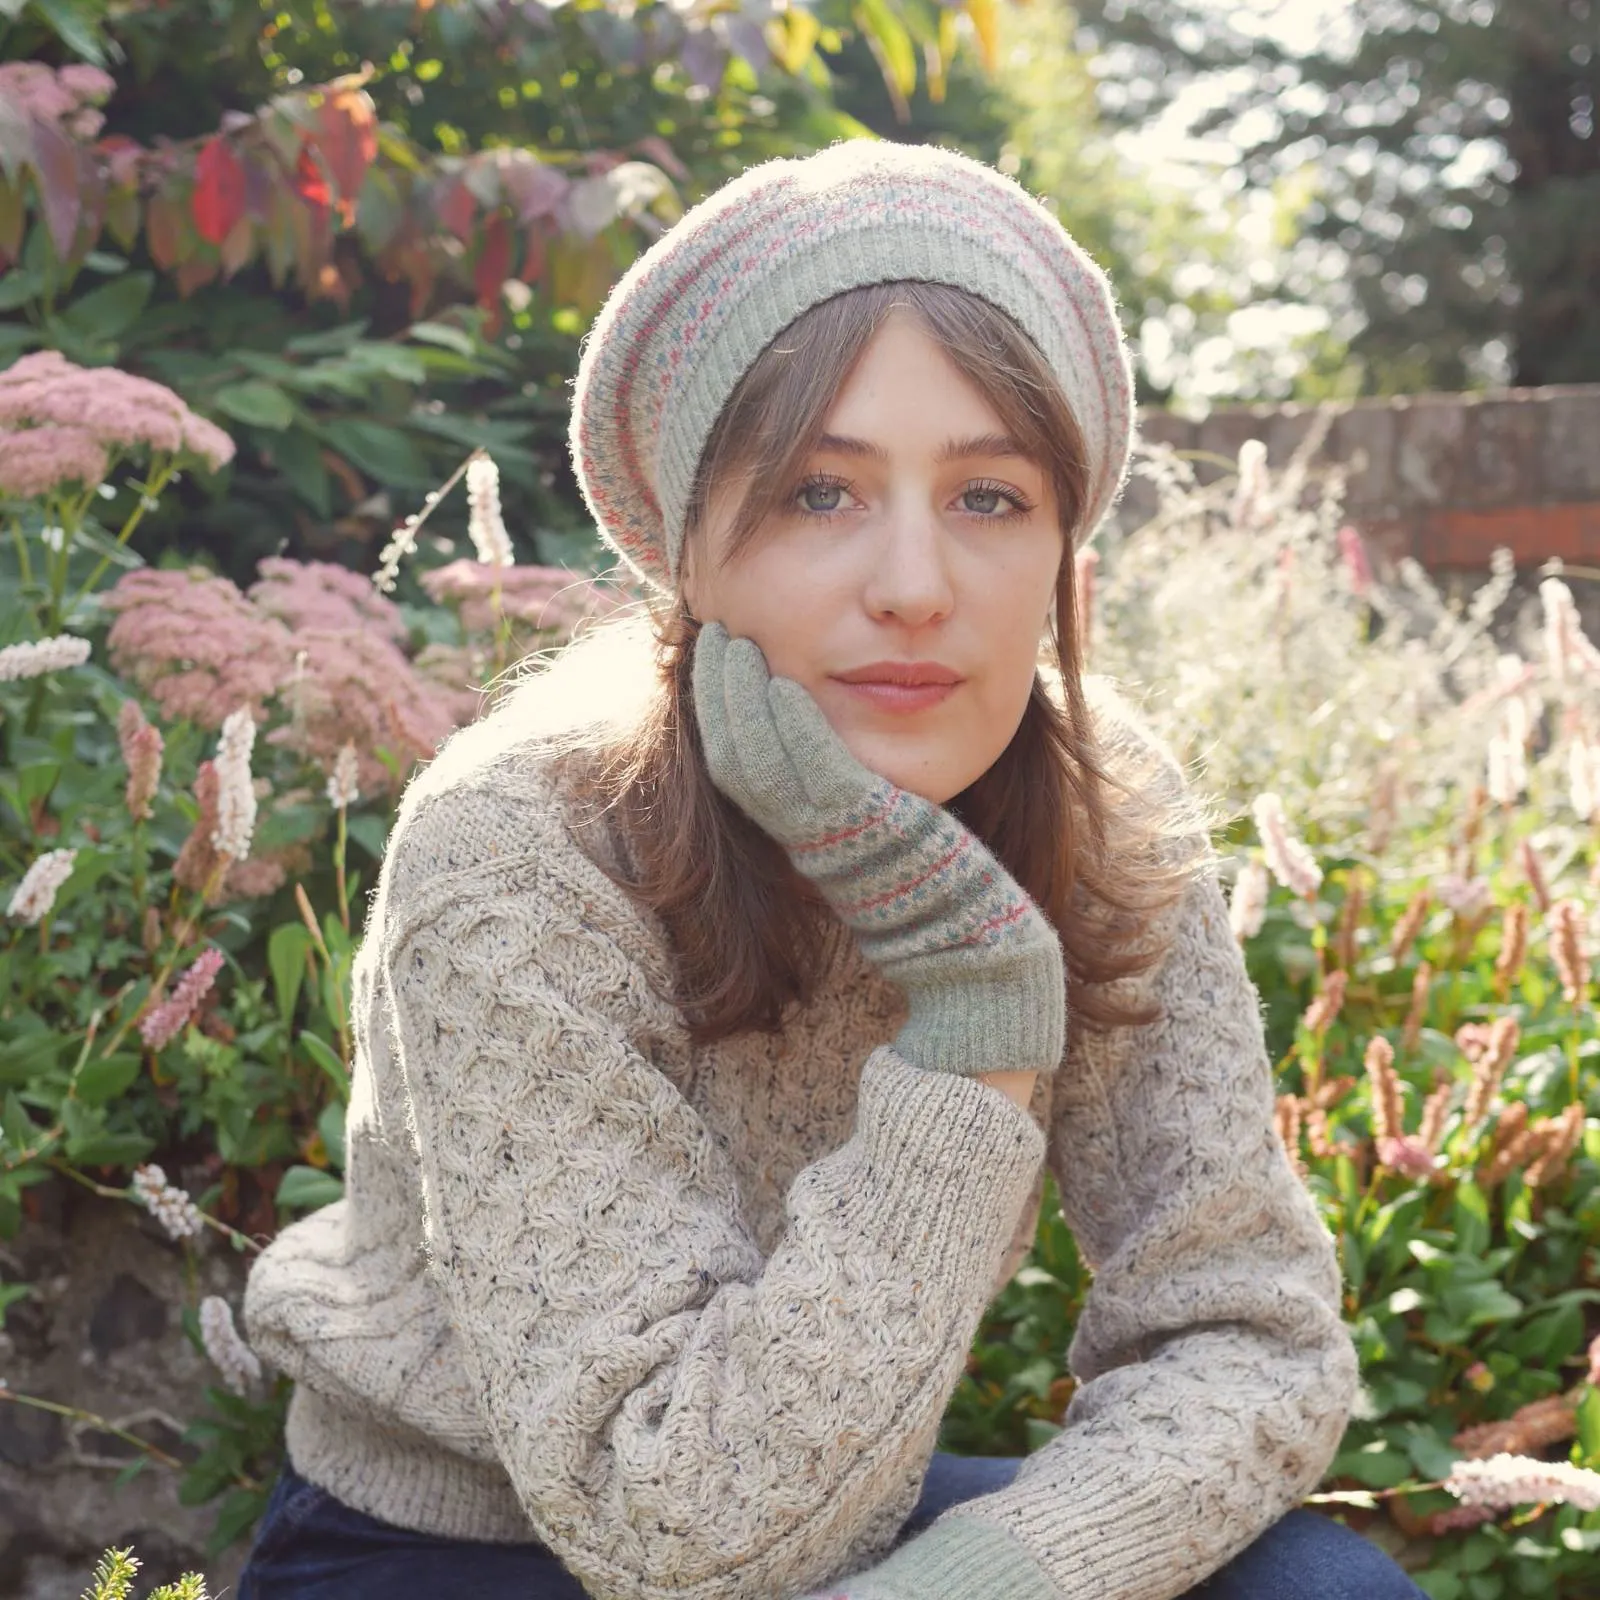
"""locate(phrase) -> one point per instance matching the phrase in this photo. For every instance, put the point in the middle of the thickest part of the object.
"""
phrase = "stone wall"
(1441, 477)
(102, 1332)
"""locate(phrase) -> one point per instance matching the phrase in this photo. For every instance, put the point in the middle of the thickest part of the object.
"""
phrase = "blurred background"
(364, 235)
(291, 299)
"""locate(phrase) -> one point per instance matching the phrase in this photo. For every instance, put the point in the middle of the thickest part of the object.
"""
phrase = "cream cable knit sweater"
(691, 1317)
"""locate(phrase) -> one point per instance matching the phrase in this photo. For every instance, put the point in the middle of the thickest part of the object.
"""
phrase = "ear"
(688, 586)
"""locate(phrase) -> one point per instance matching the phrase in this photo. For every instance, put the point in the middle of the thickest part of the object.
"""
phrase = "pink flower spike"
(1353, 552)
(163, 1023)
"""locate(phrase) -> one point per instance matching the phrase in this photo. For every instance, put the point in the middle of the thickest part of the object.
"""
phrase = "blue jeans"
(310, 1546)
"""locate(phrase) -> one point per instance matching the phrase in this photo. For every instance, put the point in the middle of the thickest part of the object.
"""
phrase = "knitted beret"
(690, 316)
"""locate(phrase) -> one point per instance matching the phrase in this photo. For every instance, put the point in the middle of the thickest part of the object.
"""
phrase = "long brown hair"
(749, 941)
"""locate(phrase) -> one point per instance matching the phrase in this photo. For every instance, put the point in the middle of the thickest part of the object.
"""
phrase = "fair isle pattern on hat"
(690, 316)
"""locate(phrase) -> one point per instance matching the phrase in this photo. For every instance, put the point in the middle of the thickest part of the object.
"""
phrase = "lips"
(902, 674)
(900, 687)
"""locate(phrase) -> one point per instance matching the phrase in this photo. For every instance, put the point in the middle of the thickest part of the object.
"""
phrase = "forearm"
(1017, 1087)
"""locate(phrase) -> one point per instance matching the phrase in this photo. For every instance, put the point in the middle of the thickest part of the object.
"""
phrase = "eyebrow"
(983, 444)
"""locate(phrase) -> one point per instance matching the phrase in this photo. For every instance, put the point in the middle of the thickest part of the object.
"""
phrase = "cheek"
(778, 599)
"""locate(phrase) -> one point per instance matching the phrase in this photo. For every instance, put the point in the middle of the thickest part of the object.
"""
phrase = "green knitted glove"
(930, 906)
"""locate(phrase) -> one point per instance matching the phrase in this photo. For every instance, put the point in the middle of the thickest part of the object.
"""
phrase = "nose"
(910, 580)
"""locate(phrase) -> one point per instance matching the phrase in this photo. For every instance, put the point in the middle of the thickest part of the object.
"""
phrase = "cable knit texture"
(691, 1316)
(685, 322)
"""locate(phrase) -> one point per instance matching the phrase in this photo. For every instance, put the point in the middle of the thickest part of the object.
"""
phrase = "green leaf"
(1471, 1218)
(381, 452)
(391, 360)
(308, 1189)
(103, 1078)
(899, 55)
(254, 401)
(328, 1059)
(330, 342)
(18, 288)
(286, 960)
(442, 334)
(108, 312)
(370, 832)
(110, 1149)
(1478, 1304)
(74, 25)
(19, 1128)
(1589, 1427)
(298, 456)
(331, 1126)
(1377, 1465)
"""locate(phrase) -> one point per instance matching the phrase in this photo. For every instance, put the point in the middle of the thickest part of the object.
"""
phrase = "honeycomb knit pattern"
(691, 1316)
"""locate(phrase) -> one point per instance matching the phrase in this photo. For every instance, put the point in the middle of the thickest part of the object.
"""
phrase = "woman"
(717, 1021)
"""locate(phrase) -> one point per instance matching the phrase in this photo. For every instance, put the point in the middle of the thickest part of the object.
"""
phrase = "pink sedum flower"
(37, 461)
(195, 644)
(541, 597)
(1408, 1155)
(107, 406)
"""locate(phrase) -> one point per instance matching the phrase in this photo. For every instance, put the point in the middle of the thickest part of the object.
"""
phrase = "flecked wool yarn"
(691, 315)
(690, 1315)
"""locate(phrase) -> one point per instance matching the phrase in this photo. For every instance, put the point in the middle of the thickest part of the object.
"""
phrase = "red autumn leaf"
(237, 249)
(12, 217)
(309, 183)
(163, 225)
(218, 190)
(347, 135)
(533, 250)
(456, 206)
(56, 168)
(494, 262)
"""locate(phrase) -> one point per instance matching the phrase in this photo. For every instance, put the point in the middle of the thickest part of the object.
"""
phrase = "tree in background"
(1448, 158)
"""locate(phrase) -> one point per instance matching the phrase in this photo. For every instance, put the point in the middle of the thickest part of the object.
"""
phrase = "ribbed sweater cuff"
(949, 1163)
(958, 1558)
(1008, 1020)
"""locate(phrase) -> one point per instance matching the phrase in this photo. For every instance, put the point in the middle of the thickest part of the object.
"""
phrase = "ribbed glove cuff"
(1009, 1017)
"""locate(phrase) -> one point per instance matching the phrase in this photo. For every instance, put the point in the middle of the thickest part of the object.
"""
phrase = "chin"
(935, 780)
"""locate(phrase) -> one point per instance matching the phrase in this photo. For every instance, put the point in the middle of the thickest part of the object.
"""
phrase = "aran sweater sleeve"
(678, 1415)
(1215, 1375)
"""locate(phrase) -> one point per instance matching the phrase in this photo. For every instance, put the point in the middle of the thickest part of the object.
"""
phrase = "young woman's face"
(918, 544)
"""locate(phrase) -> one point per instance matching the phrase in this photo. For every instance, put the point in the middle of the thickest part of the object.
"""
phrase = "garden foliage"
(1415, 870)
(366, 238)
(198, 779)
